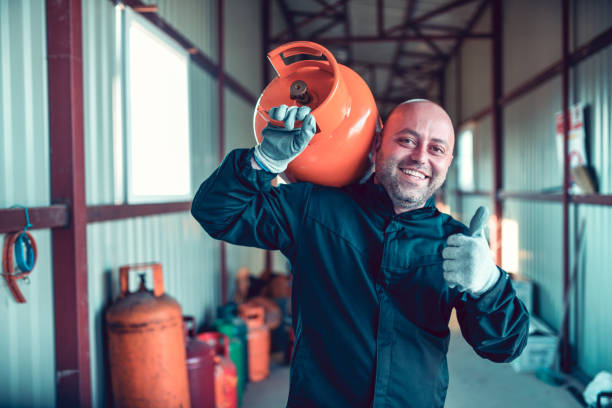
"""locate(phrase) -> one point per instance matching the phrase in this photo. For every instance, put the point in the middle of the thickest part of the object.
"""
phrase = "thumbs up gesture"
(467, 261)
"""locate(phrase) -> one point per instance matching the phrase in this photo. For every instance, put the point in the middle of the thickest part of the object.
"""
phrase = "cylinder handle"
(158, 278)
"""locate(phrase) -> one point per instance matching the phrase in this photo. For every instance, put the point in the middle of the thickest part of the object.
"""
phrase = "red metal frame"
(65, 66)
(594, 199)
(566, 353)
(265, 30)
(221, 130)
(13, 219)
(282, 36)
(497, 124)
(101, 213)
(405, 37)
(432, 13)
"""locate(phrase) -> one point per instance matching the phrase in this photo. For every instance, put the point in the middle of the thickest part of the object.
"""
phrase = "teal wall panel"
(540, 253)
(27, 344)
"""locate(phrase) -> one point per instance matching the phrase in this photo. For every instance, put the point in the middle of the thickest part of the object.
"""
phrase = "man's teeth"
(413, 173)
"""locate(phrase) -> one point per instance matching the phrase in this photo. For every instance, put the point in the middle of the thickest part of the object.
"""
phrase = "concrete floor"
(474, 382)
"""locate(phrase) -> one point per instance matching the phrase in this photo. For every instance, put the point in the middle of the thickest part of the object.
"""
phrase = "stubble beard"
(406, 197)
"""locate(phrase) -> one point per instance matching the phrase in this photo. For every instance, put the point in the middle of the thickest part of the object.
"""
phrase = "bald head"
(414, 153)
(416, 112)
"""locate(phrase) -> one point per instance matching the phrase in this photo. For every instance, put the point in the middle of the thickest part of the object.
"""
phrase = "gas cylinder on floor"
(200, 367)
(235, 328)
(341, 102)
(259, 341)
(146, 345)
(226, 379)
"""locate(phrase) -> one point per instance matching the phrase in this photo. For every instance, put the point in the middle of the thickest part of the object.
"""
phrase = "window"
(157, 151)
(465, 159)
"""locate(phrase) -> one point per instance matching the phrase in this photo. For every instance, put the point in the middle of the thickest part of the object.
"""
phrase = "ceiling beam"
(401, 38)
(288, 17)
(323, 29)
(281, 37)
(470, 26)
(408, 13)
(442, 9)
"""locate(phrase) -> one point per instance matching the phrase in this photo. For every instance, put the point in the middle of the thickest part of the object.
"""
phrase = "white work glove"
(280, 145)
(468, 264)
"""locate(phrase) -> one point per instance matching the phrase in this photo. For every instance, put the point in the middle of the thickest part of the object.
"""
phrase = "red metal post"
(566, 355)
(496, 119)
(65, 72)
(380, 18)
(221, 124)
(265, 28)
(14, 219)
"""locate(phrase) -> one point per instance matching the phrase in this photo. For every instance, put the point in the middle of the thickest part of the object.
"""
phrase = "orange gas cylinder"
(146, 345)
(341, 103)
(258, 339)
(226, 376)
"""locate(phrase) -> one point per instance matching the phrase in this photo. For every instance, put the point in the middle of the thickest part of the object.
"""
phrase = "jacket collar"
(378, 199)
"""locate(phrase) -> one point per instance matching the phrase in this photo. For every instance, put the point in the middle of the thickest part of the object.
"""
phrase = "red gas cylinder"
(226, 377)
(258, 339)
(200, 367)
(146, 345)
(341, 103)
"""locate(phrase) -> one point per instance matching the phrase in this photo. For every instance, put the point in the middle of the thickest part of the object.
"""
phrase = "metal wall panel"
(475, 76)
(99, 75)
(195, 19)
(589, 18)
(450, 92)
(593, 325)
(469, 205)
(243, 36)
(483, 162)
(531, 38)
(540, 250)
(189, 258)
(27, 344)
(530, 150)
(592, 79)
(239, 135)
(592, 83)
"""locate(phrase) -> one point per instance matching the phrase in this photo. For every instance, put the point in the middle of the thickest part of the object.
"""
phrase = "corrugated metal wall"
(530, 150)
(195, 19)
(190, 258)
(27, 344)
(592, 84)
(531, 41)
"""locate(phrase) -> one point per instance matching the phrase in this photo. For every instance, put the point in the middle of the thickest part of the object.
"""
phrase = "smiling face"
(414, 153)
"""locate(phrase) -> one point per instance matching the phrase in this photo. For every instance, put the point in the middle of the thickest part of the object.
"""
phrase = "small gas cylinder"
(146, 345)
(226, 378)
(341, 103)
(200, 367)
(235, 328)
(259, 341)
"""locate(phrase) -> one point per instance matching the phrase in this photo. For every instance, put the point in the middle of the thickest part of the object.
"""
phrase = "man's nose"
(418, 154)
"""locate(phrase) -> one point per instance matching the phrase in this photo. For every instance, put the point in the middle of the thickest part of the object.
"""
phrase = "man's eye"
(437, 149)
(408, 140)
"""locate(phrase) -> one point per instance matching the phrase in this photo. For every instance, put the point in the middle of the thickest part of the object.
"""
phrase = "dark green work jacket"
(370, 305)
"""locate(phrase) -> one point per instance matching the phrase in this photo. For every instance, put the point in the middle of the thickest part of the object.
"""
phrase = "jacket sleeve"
(238, 204)
(496, 324)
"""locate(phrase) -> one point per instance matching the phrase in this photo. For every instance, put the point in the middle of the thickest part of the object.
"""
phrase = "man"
(376, 268)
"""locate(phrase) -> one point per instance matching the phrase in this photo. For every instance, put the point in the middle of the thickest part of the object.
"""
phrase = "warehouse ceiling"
(400, 47)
